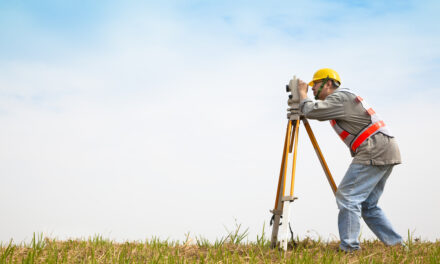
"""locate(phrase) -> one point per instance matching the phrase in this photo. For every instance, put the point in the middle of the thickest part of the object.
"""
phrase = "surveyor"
(374, 151)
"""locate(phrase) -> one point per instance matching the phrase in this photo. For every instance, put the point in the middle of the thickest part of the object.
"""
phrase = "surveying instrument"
(283, 200)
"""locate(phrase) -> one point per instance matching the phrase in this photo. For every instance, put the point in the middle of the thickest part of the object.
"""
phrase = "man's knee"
(345, 202)
(369, 210)
(340, 199)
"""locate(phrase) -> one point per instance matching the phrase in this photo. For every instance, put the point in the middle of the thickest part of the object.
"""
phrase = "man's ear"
(329, 83)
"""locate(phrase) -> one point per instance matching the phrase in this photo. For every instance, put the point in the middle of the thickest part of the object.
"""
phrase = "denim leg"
(356, 186)
(375, 218)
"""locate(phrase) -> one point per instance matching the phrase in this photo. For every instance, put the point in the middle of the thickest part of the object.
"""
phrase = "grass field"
(230, 249)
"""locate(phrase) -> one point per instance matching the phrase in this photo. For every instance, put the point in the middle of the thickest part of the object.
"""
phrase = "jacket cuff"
(302, 102)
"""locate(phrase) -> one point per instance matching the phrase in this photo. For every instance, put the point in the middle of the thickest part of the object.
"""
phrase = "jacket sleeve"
(330, 108)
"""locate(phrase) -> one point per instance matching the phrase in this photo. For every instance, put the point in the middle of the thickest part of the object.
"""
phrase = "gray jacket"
(378, 149)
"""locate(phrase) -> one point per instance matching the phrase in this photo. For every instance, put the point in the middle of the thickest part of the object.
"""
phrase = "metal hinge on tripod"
(272, 219)
(289, 198)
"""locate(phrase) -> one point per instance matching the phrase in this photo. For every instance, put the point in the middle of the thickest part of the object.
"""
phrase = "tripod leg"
(295, 152)
(277, 211)
(283, 164)
(293, 135)
(286, 157)
(287, 200)
(320, 156)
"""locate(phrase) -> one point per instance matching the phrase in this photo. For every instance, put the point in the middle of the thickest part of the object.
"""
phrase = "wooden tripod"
(282, 202)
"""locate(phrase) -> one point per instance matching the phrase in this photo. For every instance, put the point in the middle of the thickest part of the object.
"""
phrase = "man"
(374, 151)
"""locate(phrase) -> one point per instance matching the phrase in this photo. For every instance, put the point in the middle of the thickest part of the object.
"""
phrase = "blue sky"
(111, 109)
(52, 28)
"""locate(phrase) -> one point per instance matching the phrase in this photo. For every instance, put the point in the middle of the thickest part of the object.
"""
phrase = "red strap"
(359, 99)
(366, 134)
(370, 111)
(344, 134)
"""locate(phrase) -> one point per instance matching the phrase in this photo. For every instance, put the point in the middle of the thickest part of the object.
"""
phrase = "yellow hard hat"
(325, 73)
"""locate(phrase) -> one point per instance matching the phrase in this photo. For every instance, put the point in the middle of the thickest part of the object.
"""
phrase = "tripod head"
(293, 112)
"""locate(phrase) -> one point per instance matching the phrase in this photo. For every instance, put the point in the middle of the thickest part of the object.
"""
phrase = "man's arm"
(331, 108)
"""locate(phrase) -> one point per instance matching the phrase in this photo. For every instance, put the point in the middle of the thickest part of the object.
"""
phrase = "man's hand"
(302, 89)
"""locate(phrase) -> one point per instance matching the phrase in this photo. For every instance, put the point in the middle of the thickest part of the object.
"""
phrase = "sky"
(142, 119)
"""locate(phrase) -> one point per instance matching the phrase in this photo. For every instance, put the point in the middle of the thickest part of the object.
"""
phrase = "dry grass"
(228, 250)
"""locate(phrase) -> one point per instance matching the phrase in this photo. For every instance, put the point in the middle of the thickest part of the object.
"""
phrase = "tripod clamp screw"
(293, 113)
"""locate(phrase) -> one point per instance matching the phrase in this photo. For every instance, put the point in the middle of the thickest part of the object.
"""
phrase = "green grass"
(229, 249)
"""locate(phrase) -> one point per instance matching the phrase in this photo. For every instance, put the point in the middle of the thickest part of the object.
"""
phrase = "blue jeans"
(357, 195)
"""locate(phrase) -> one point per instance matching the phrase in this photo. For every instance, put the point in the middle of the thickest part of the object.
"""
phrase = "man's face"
(325, 90)
(315, 87)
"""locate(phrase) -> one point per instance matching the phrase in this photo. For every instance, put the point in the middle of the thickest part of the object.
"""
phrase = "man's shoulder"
(341, 95)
